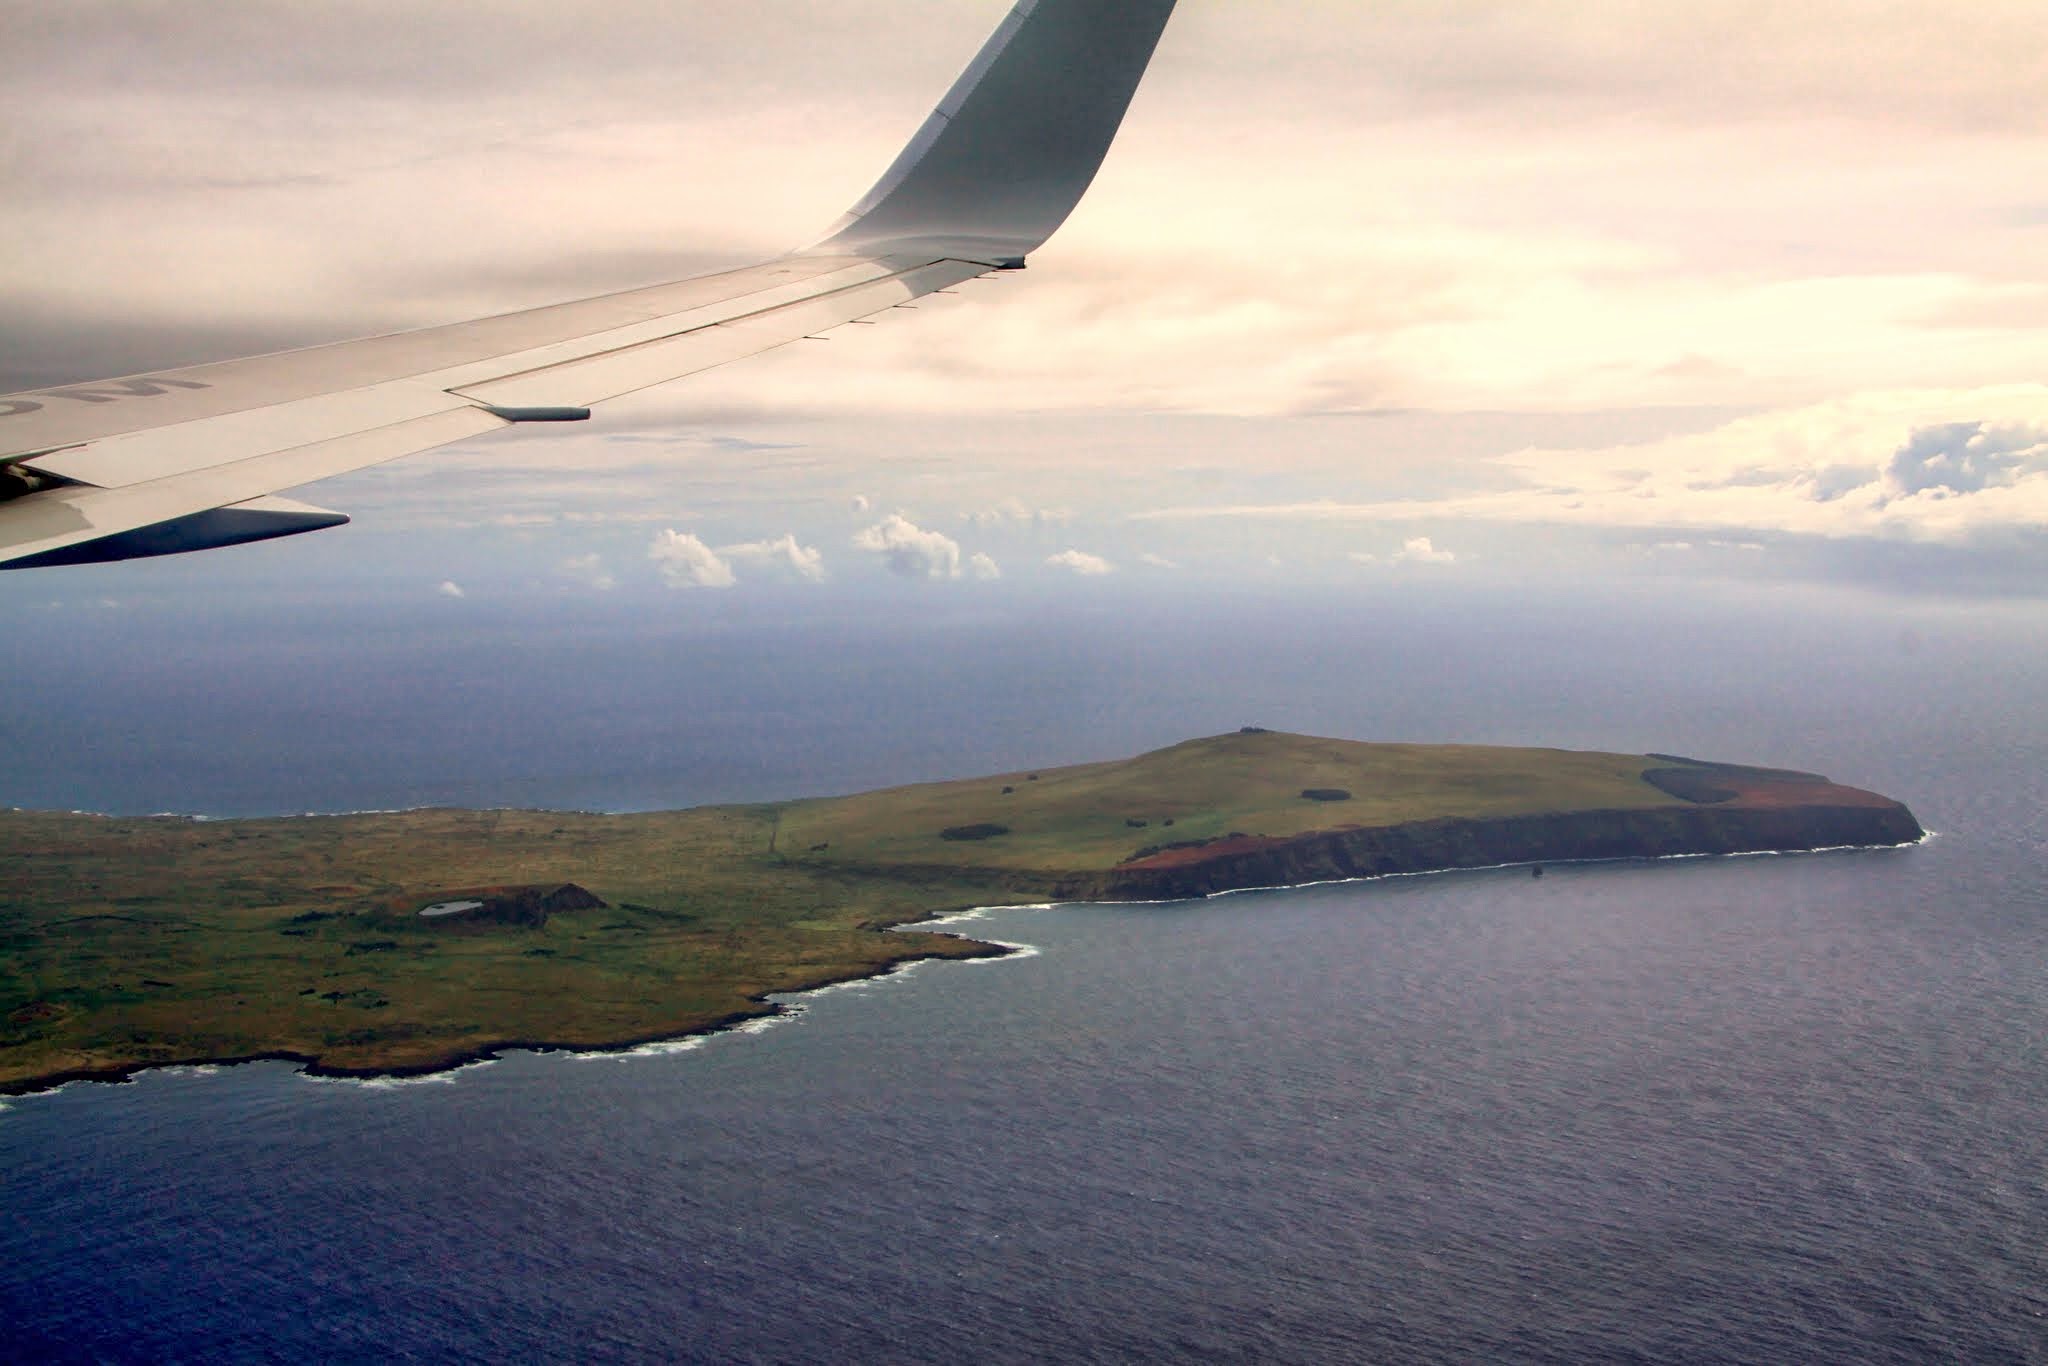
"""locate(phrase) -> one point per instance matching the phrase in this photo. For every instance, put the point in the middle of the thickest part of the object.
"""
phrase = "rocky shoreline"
(469, 1055)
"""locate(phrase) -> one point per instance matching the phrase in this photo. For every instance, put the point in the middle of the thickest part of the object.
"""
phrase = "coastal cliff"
(1438, 845)
(1263, 809)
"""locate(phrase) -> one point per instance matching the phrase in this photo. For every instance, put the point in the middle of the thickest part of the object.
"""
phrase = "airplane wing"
(190, 459)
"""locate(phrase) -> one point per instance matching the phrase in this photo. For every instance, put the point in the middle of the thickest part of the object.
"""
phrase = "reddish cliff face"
(1739, 811)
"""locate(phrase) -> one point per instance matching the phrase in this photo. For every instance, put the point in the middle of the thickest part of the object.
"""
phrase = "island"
(410, 942)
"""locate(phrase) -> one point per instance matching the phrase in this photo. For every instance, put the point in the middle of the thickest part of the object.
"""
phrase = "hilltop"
(1106, 825)
(413, 941)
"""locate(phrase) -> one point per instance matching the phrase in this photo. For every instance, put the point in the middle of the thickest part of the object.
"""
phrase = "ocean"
(1745, 1110)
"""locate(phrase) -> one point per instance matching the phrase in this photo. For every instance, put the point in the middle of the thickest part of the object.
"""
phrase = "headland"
(415, 941)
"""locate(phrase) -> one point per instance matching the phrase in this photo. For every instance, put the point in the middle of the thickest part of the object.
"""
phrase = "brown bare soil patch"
(1818, 792)
(35, 1012)
(1202, 853)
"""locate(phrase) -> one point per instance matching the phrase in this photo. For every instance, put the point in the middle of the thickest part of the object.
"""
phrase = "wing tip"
(1004, 159)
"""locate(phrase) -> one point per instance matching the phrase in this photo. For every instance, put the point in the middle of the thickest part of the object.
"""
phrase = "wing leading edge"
(188, 459)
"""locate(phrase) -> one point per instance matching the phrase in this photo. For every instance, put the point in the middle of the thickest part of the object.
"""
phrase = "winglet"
(1008, 153)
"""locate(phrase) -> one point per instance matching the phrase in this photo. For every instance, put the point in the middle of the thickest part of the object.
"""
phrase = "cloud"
(1016, 510)
(451, 589)
(1081, 562)
(1419, 550)
(1559, 204)
(910, 550)
(1967, 457)
(801, 560)
(981, 566)
(686, 562)
(1895, 465)
(862, 503)
(589, 571)
(1158, 561)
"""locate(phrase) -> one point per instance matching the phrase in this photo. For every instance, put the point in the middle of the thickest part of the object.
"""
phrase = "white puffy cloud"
(686, 562)
(1081, 562)
(981, 566)
(1158, 561)
(1419, 550)
(589, 571)
(805, 562)
(451, 589)
(910, 550)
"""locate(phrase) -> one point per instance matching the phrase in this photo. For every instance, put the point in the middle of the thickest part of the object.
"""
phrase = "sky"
(1410, 292)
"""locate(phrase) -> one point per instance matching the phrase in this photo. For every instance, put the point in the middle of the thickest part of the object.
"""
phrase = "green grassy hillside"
(1081, 819)
(126, 943)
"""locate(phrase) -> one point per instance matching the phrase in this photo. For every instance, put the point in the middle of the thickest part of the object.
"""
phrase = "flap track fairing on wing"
(188, 460)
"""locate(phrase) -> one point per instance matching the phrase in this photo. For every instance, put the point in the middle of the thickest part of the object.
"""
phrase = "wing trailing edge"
(188, 459)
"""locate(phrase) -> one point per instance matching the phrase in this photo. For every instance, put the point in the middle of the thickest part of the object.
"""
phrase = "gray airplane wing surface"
(191, 459)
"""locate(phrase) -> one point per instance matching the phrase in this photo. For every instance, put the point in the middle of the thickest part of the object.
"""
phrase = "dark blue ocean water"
(1762, 1109)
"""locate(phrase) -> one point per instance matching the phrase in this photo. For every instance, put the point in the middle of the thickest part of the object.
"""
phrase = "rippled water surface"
(1762, 1109)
